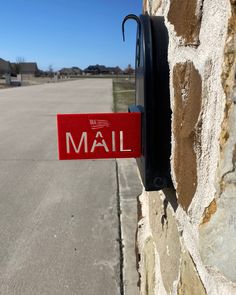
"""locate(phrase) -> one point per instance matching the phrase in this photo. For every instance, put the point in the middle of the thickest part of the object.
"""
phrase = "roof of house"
(28, 67)
(96, 69)
(70, 71)
(114, 69)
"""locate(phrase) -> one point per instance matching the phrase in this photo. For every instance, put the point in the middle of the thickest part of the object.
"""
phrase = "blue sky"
(65, 33)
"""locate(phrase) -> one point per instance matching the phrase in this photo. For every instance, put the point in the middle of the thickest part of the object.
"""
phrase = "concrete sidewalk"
(129, 189)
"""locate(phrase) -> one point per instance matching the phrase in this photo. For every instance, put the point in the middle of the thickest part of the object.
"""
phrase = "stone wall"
(187, 235)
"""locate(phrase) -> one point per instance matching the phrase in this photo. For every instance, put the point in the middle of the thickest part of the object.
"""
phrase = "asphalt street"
(58, 219)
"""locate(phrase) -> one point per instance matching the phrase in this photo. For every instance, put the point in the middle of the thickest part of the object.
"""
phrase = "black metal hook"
(134, 17)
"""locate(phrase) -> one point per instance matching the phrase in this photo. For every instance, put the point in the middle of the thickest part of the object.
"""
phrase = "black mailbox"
(153, 100)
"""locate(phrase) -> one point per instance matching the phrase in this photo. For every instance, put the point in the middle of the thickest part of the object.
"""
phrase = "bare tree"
(129, 70)
(19, 60)
(50, 71)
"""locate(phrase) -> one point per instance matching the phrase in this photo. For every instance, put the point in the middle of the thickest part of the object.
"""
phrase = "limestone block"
(218, 230)
(187, 105)
(218, 236)
(148, 275)
(151, 281)
(189, 283)
(156, 5)
(166, 237)
(185, 15)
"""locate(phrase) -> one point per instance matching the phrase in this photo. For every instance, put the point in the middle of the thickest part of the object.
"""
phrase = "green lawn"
(123, 94)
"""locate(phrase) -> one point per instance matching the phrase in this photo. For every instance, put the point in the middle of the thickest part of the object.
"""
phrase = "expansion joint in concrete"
(121, 246)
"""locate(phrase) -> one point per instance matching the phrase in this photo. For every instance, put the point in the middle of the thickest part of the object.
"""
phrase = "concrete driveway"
(58, 219)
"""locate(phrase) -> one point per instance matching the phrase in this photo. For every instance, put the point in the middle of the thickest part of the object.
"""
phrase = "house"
(28, 68)
(5, 67)
(102, 70)
(96, 70)
(74, 71)
(115, 70)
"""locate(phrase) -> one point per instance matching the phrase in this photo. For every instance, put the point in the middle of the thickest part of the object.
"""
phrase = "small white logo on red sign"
(99, 124)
